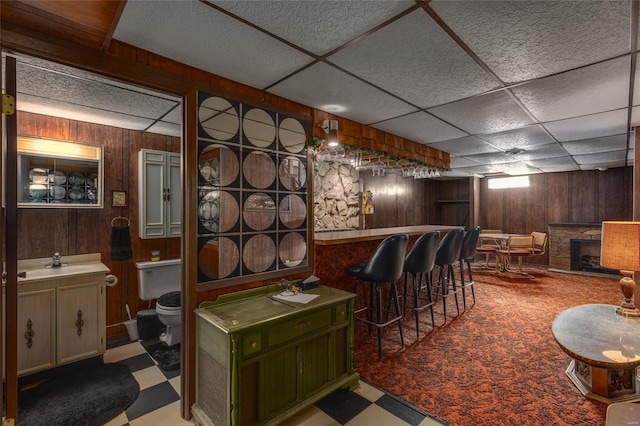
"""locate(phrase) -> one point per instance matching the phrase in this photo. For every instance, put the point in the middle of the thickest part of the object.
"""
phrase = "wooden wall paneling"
(536, 204)
(514, 219)
(615, 191)
(583, 197)
(558, 200)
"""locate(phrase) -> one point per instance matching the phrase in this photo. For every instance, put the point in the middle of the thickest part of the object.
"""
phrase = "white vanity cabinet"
(61, 314)
(159, 194)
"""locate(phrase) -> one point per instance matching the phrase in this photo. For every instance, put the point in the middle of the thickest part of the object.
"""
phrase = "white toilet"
(161, 280)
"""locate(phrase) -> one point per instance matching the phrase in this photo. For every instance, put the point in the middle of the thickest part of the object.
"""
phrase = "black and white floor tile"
(159, 400)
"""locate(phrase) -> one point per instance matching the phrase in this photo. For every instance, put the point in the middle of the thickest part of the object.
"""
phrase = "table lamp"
(621, 250)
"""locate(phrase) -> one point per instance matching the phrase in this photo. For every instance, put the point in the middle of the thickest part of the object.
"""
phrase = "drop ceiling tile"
(420, 127)
(517, 168)
(470, 145)
(588, 90)
(456, 173)
(589, 127)
(519, 138)
(592, 146)
(522, 40)
(542, 151)
(635, 113)
(56, 108)
(492, 158)
(174, 116)
(558, 169)
(317, 26)
(603, 166)
(631, 155)
(458, 162)
(89, 93)
(196, 34)
(490, 113)
(602, 157)
(322, 84)
(478, 170)
(558, 162)
(165, 128)
(416, 60)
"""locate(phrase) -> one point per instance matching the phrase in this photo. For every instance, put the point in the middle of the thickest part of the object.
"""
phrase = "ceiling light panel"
(73, 90)
(341, 21)
(469, 145)
(522, 40)
(490, 113)
(520, 138)
(415, 59)
(590, 126)
(420, 127)
(592, 146)
(589, 90)
(323, 84)
(196, 34)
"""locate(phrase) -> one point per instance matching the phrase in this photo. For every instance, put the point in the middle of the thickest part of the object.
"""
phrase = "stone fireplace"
(581, 239)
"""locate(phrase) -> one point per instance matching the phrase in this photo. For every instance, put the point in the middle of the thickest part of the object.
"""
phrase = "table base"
(603, 384)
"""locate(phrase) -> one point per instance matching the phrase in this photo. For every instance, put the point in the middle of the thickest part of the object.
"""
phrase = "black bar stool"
(384, 267)
(447, 255)
(467, 255)
(419, 264)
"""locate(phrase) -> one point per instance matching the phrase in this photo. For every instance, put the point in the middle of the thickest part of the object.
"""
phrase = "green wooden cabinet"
(260, 360)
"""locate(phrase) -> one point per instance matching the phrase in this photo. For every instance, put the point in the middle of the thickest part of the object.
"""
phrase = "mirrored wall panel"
(252, 190)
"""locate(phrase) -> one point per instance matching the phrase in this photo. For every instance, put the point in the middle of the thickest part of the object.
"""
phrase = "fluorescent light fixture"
(509, 182)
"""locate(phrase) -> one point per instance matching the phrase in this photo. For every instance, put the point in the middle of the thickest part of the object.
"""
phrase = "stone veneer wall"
(336, 196)
(560, 236)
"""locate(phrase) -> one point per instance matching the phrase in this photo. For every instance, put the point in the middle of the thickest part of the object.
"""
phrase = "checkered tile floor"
(159, 399)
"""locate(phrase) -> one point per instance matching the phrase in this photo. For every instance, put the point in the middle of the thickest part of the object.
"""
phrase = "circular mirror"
(292, 211)
(218, 118)
(293, 173)
(218, 258)
(218, 165)
(293, 249)
(259, 211)
(259, 128)
(259, 169)
(259, 253)
(292, 135)
(218, 211)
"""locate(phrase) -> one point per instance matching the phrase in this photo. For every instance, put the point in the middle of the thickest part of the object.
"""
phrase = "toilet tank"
(158, 278)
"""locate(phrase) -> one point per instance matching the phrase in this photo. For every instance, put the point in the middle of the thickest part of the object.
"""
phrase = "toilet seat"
(169, 301)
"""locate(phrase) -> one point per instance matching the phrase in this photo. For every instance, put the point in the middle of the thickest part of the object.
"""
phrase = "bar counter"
(335, 251)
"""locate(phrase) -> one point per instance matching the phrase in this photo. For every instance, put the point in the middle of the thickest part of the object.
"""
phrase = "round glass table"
(605, 351)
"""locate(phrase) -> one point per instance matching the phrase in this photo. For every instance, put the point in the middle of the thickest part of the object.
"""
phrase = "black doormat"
(168, 357)
(87, 397)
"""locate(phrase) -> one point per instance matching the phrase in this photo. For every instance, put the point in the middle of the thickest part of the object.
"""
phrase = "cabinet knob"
(253, 345)
(303, 325)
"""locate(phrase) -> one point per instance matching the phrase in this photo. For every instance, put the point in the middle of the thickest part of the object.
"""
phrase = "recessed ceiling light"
(332, 108)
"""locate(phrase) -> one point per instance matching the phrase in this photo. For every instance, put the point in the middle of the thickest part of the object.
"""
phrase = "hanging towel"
(120, 243)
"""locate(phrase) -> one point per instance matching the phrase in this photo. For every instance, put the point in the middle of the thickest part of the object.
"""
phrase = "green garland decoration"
(316, 142)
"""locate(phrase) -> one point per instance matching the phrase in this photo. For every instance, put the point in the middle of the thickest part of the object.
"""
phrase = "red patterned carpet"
(495, 364)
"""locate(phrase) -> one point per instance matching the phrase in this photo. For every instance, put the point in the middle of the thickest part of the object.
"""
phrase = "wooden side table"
(605, 351)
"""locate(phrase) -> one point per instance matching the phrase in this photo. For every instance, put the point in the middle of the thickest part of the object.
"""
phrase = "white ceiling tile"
(556, 169)
(317, 26)
(322, 84)
(492, 158)
(635, 114)
(455, 174)
(603, 166)
(90, 93)
(542, 151)
(165, 128)
(520, 138)
(457, 162)
(565, 161)
(588, 90)
(589, 127)
(631, 155)
(470, 145)
(420, 127)
(490, 113)
(592, 146)
(174, 116)
(517, 168)
(415, 59)
(602, 157)
(56, 108)
(195, 34)
(522, 40)
(478, 170)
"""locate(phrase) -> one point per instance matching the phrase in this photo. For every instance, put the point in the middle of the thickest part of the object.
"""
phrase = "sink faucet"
(56, 260)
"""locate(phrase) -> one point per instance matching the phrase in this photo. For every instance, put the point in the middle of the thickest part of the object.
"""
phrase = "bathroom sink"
(37, 269)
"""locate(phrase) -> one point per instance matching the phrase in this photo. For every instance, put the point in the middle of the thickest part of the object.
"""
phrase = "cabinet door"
(316, 364)
(174, 195)
(277, 383)
(36, 330)
(152, 192)
(79, 321)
